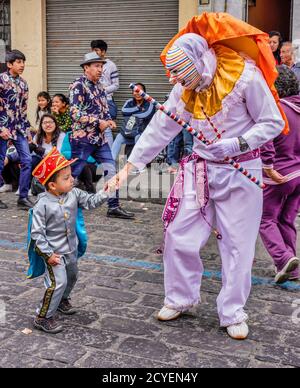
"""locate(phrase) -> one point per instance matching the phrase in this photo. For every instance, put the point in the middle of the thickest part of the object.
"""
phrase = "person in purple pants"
(281, 162)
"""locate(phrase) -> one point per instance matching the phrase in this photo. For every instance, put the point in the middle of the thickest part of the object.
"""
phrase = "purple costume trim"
(176, 194)
(201, 184)
(255, 154)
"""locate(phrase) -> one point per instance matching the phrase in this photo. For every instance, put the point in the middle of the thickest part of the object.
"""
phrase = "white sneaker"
(167, 314)
(284, 275)
(239, 331)
(6, 188)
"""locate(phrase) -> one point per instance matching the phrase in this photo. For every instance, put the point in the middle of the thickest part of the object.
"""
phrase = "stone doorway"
(271, 15)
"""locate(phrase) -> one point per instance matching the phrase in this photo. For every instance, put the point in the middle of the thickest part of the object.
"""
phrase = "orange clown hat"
(224, 29)
(52, 163)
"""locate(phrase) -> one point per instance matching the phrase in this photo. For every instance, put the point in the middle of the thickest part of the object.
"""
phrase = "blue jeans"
(22, 148)
(188, 143)
(102, 154)
(36, 159)
(119, 141)
(113, 109)
(109, 137)
(174, 148)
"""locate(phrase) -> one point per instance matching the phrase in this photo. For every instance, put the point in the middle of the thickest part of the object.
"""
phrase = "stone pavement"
(118, 294)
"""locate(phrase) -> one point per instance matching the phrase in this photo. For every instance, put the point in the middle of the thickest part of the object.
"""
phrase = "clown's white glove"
(225, 148)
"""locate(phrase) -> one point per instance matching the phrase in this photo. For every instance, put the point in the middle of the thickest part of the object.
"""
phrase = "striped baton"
(199, 135)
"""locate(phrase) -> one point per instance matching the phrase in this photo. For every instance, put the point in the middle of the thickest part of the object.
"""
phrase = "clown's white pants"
(235, 207)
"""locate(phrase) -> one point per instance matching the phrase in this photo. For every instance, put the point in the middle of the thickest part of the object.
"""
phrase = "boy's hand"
(54, 260)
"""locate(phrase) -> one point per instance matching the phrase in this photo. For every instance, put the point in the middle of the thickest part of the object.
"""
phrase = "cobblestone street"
(118, 295)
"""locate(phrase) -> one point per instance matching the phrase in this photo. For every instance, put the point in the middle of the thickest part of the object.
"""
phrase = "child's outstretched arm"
(90, 201)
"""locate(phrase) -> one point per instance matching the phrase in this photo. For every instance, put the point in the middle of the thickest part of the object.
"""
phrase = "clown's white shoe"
(167, 314)
(239, 331)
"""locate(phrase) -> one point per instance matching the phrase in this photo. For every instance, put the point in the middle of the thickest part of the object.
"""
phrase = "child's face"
(42, 103)
(16, 68)
(64, 182)
(48, 125)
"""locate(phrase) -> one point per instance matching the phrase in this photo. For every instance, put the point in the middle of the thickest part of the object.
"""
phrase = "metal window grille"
(5, 26)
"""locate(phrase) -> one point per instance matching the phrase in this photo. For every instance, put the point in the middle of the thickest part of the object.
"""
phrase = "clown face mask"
(182, 69)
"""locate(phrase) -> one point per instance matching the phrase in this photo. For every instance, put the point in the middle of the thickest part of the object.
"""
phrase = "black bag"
(36, 187)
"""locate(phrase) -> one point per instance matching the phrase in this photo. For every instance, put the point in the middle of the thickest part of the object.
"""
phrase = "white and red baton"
(199, 135)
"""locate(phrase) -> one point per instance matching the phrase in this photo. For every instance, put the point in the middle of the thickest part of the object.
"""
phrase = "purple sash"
(176, 194)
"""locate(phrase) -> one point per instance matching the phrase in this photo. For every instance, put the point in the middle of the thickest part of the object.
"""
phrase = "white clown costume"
(224, 95)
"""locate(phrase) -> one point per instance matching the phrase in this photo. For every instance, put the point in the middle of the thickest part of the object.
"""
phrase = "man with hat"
(90, 115)
(56, 236)
(14, 125)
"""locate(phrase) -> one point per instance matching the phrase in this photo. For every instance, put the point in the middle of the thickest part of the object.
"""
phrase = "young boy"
(53, 234)
(109, 80)
(14, 125)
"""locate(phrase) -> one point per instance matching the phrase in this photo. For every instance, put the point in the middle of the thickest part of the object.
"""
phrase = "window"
(5, 22)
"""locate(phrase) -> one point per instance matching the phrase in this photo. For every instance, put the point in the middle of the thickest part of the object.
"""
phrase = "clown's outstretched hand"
(118, 180)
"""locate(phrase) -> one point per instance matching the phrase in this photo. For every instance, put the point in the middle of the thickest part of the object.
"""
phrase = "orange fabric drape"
(222, 28)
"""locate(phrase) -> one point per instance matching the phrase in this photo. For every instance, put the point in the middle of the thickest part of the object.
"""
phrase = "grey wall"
(296, 20)
(234, 7)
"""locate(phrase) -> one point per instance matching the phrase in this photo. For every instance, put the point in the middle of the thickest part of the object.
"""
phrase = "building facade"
(55, 34)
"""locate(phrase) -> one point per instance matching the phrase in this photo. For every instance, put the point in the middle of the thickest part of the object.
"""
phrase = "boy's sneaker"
(48, 325)
(66, 308)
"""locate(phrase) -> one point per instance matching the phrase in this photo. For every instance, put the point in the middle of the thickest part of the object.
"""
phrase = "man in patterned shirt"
(90, 115)
(14, 125)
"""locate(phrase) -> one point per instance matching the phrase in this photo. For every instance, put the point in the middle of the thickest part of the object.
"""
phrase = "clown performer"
(57, 237)
(224, 94)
